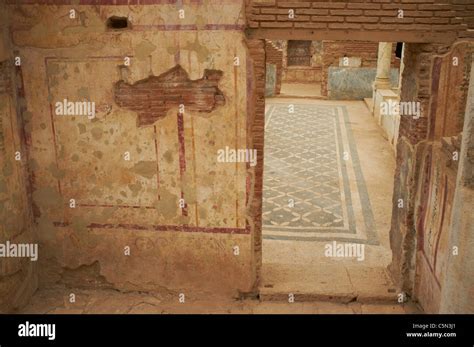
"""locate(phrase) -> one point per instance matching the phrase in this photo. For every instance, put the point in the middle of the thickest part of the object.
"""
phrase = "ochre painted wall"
(135, 203)
(18, 278)
(439, 161)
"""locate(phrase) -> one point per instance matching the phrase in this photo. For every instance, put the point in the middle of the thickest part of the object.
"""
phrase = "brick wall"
(275, 56)
(440, 20)
(333, 51)
(449, 87)
(416, 86)
(303, 74)
(465, 11)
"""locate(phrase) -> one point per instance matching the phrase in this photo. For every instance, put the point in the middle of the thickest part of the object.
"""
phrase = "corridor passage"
(328, 183)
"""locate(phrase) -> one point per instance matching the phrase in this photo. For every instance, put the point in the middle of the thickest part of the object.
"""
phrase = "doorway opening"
(301, 63)
(329, 164)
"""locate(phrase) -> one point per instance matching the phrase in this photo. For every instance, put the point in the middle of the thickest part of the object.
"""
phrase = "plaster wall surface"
(425, 179)
(155, 191)
(458, 285)
(440, 159)
(17, 274)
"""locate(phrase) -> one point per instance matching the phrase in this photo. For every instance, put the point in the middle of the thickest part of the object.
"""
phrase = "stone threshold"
(339, 283)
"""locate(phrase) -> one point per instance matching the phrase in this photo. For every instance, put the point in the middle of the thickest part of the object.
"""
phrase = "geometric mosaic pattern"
(310, 162)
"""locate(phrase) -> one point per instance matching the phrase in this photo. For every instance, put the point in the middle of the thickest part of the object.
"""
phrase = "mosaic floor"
(314, 189)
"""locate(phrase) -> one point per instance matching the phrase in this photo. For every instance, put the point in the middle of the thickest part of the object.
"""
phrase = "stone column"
(381, 86)
(382, 79)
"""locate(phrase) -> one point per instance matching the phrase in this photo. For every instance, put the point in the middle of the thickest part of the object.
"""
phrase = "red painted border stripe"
(182, 157)
(157, 162)
(116, 206)
(116, 2)
(182, 152)
(180, 228)
(190, 27)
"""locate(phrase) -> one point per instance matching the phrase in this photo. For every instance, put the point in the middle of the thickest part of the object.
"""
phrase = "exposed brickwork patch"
(152, 97)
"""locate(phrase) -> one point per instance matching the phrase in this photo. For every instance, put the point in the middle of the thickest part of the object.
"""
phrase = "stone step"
(388, 94)
(311, 97)
(369, 102)
(274, 294)
(339, 283)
